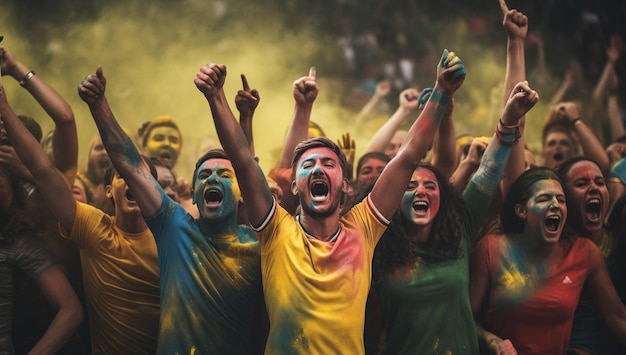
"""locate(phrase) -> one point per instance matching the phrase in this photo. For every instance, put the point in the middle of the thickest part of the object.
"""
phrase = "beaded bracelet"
(27, 77)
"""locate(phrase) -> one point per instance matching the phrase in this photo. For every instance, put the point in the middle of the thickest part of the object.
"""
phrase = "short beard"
(326, 213)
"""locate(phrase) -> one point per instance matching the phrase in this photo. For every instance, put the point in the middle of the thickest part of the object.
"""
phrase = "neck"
(130, 223)
(418, 233)
(535, 250)
(218, 227)
(596, 236)
(321, 227)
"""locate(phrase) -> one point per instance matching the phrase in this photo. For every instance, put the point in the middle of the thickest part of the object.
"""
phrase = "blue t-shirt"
(210, 287)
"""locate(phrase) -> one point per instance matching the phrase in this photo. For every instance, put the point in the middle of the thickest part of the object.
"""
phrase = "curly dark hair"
(396, 249)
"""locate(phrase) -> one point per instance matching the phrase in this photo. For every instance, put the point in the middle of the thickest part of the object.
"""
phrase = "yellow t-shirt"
(315, 291)
(121, 281)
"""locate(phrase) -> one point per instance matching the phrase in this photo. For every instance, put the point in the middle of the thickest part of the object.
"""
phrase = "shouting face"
(319, 182)
(421, 200)
(545, 212)
(588, 200)
(215, 190)
(164, 142)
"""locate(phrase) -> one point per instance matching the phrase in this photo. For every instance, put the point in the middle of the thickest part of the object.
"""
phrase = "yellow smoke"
(151, 52)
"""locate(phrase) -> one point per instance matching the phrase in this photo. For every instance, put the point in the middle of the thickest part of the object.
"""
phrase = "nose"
(317, 170)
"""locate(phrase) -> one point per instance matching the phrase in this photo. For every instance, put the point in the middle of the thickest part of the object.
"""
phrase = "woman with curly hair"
(421, 265)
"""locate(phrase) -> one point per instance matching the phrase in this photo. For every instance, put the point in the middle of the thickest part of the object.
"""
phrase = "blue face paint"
(216, 192)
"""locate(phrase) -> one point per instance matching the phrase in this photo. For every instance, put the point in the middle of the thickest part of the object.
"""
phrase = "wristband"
(26, 78)
(508, 127)
(511, 138)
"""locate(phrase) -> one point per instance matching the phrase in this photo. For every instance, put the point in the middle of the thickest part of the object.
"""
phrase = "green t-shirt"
(425, 308)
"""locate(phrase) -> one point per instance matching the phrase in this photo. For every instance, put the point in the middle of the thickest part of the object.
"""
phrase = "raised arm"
(486, 179)
(305, 92)
(382, 137)
(246, 102)
(391, 184)
(515, 25)
(468, 166)
(444, 144)
(254, 188)
(65, 138)
(122, 151)
(52, 185)
(613, 53)
(589, 142)
(367, 111)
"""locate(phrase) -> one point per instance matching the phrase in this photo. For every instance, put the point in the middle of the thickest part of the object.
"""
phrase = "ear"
(107, 191)
(294, 188)
(345, 186)
(193, 198)
(520, 211)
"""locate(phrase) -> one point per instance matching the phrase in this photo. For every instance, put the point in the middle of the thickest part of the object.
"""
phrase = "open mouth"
(552, 223)
(593, 208)
(104, 162)
(165, 155)
(319, 190)
(129, 196)
(213, 196)
(559, 156)
(420, 206)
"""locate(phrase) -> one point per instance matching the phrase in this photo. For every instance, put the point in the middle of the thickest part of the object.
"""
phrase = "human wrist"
(440, 95)
(504, 125)
(517, 40)
(26, 78)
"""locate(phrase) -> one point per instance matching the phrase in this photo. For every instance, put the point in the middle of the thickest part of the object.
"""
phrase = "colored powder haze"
(151, 51)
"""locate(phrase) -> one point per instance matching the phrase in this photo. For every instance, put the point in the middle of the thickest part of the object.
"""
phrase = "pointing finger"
(312, 72)
(503, 6)
(244, 81)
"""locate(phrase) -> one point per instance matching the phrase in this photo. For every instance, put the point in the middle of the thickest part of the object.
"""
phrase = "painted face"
(215, 191)
(78, 191)
(545, 212)
(6, 192)
(421, 200)
(164, 142)
(394, 145)
(557, 148)
(98, 161)
(370, 170)
(167, 181)
(122, 197)
(319, 182)
(589, 198)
